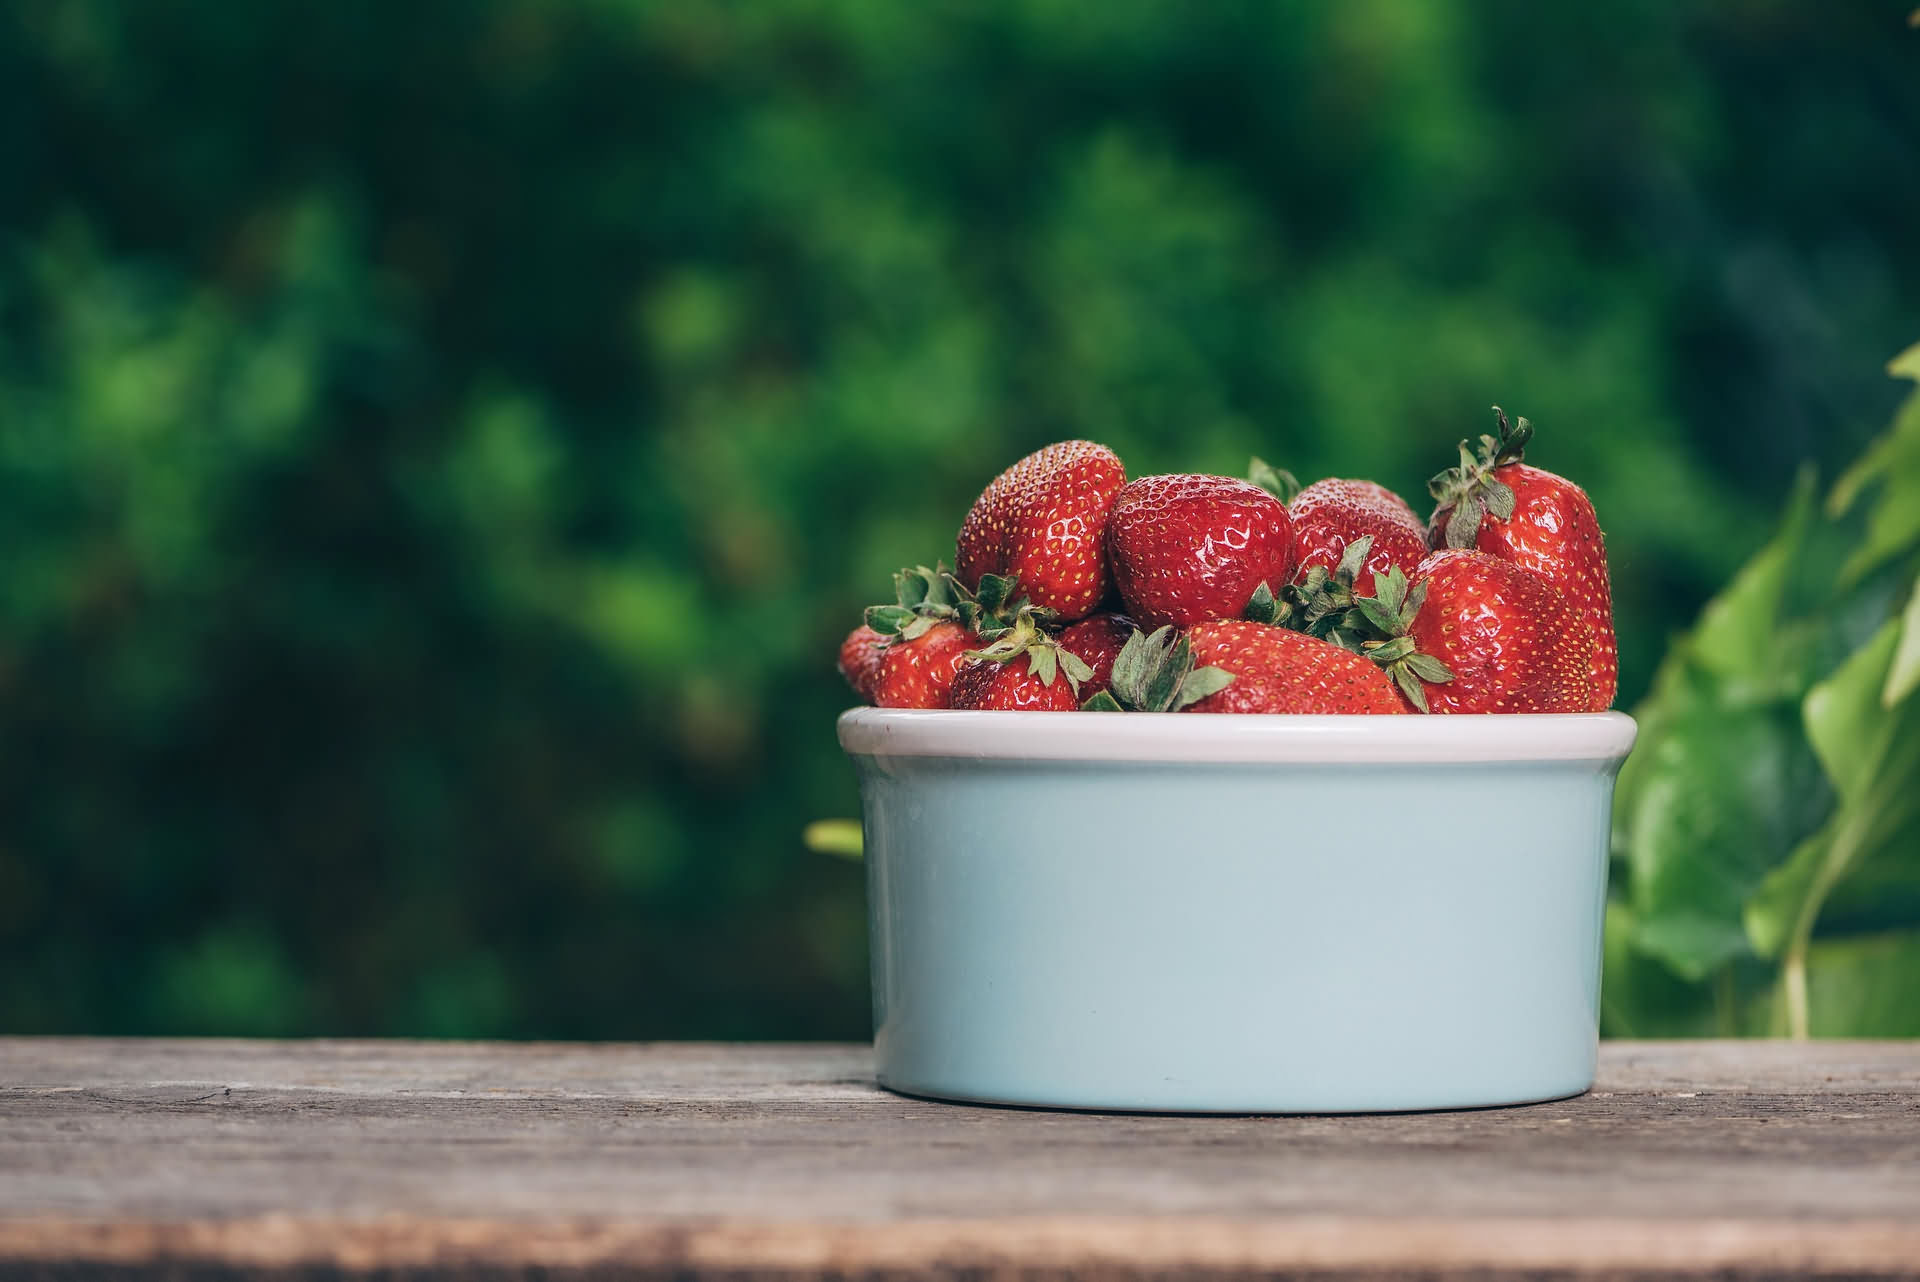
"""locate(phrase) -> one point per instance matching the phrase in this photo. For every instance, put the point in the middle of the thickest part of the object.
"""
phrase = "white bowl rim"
(1178, 738)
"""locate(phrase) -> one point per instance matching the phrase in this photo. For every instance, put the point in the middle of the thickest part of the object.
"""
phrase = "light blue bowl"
(1242, 914)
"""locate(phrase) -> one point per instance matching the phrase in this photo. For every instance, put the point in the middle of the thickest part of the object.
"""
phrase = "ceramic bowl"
(1236, 913)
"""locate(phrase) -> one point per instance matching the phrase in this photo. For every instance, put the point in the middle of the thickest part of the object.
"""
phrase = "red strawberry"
(1044, 521)
(1495, 503)
(917, 672)
(1279, 670)
(1512, 641)
(1186, 549)
(988, 684)
(1330, 514)
(1097, 640)
(860, 657)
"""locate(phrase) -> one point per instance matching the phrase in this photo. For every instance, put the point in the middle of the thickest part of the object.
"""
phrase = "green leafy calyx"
(1046, 658)
(1471, 488)
(1155, 673)
(924, 597)
(1276, 481)
(921, 598)
(1378, 627)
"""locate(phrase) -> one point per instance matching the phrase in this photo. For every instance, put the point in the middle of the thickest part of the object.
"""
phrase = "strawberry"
(1544, 523)
(1013, 686)
(1186, 549)
(926, 633)
(1279, 670)
(1044, 522)
(1020, 668)
(1512, 640)
(1097, 640)
(1328, 515)
(860, 656)
(918, 671)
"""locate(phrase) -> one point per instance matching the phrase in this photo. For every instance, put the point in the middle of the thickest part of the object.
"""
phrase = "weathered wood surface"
(227, 1158)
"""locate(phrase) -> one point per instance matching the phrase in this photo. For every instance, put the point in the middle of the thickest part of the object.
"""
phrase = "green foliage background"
(442, 443)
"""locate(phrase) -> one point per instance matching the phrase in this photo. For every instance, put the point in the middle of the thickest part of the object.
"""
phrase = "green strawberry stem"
(1378, 627)
(924, 597)
(1276, 481)
(1313, 602)
(1046, 657)
(1471, 489)
(1155, 673)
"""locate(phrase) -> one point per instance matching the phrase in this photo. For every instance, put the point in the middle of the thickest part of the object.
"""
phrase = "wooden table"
(231, 1158)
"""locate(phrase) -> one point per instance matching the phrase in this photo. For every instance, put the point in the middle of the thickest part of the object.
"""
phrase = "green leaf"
(909, 588)
(1166, 679)
(1906, 364)
(1262, 606)
(1200, 683)
(1101, 702)
(1738, 637)
(1130, 666)
(1410, 607)
(1377, 613)
(1703, 943)
(1771, 914)
(1500, 499)
(996, 590)
(1392, 651)
(1390, 590)
(1464, 524)
(1865, 986)
(840, 837)
(1846, 721)
(1043, 662)
(887, 620)
(1278, 482)
(1076, 668)
(1903, 675)
(1428, 668)
(1410, 686)
(1871, 753)
(1353, 559)
(1893, 463)
(1723, 796)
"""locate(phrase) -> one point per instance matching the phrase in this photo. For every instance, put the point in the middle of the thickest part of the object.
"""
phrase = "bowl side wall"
(1239, 938)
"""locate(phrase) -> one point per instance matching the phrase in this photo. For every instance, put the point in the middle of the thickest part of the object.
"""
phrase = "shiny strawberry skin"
(1097, 639)
(1187, 548)
(860, 657)
(988, 685)
(919, 673)
(1330, 514)
(1513, 642)
(1045, 520)
(1279, 670)
(1555, 534)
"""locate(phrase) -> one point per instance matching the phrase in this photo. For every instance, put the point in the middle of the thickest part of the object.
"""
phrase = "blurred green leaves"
(1770, 818)
(441, 445)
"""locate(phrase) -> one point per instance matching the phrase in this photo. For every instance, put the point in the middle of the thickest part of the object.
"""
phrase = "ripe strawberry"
(990, 685)
(860, 657)
(1512, 641)
(1044, 522)
(1279, 670)
(1328, 515)
(917, 671)
(1098, 640)
(1186, 548)
(1495, 503)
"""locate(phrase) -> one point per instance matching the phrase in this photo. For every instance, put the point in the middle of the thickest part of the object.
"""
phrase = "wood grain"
(227, 1158)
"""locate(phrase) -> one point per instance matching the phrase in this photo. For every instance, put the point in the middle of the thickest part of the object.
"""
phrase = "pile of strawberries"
(1076, 589)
